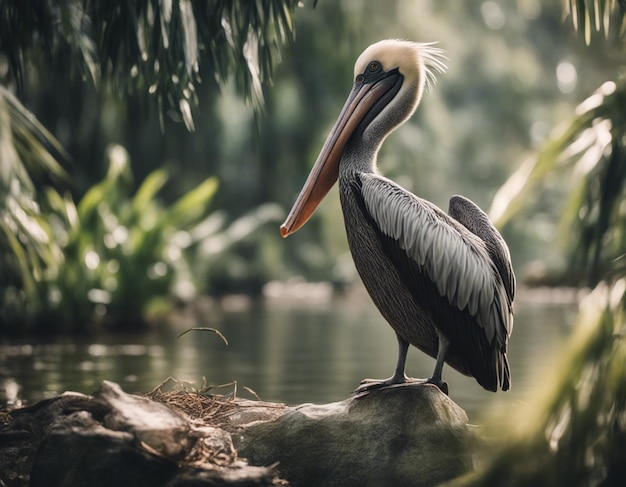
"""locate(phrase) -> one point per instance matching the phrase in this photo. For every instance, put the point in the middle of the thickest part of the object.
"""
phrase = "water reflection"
(283, 353)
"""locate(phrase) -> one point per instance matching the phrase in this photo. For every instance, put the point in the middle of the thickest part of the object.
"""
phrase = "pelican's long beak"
(362, 99)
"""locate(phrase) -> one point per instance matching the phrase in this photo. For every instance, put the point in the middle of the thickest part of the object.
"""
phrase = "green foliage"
(27, 244)
(601, 16)
(589, 153)
(152, 48)
(573, 431)
(584, 432)
(596, 206)
(117, 257)
(120, 251)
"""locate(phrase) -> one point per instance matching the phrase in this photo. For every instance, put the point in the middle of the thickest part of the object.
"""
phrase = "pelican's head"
(410, 65)
(389, 79)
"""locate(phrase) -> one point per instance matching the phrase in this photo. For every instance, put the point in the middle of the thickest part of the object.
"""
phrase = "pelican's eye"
(371, 71)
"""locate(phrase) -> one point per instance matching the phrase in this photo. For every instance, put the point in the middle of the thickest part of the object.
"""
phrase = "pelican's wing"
(455, 260)
(476, 221)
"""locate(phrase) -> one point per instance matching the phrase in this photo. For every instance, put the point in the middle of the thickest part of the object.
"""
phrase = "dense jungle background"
(149, 151)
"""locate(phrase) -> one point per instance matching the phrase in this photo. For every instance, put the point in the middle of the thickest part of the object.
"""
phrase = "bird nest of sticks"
(211, 411)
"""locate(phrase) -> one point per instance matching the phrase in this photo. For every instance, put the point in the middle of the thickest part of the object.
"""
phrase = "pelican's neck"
(359, 156)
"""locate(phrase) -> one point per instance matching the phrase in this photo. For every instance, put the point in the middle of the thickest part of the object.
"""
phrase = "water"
(284, 352)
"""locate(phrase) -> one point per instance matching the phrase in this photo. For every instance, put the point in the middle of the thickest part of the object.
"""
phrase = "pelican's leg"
(436, 379)
(398, 377)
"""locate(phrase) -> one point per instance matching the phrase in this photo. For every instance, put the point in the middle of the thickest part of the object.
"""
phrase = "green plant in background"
(588, 152)
(127, 256)
(115, 259)
(573, 431)
(152, 48)
(122, 253)
(27, 243)
(116, 256)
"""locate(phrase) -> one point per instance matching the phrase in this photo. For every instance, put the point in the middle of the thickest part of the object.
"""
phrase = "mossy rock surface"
(406, 435)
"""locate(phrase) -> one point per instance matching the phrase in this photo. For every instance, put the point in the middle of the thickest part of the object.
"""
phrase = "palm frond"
(591, 149)
(153, 49)
(28, 148)
(566, 142)
(573, 429)
(27, 243)
(601, 16)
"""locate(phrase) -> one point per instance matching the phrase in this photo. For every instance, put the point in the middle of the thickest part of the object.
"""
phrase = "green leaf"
(596, 15)
(91, 199)
(562, 148)
(26, 145)
(148, 189)
(19, 256)
(193, 205)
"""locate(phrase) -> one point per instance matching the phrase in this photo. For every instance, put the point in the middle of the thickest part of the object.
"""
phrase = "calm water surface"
(284, 352)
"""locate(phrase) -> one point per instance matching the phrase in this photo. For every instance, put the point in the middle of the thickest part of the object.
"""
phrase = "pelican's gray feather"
(455, 260)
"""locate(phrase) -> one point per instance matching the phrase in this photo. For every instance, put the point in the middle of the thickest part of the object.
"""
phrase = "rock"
(156, 425)
(78, 451)
(21, 432)
(403, 435)
(112, 439)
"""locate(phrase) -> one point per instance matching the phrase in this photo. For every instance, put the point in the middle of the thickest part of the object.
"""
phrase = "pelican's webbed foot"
(369, 385)
(440, 383)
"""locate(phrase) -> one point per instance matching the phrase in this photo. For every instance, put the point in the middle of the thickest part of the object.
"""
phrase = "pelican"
(444, 282)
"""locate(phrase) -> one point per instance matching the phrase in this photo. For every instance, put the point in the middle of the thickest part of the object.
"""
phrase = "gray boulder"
(398, 436)
(402, 436)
